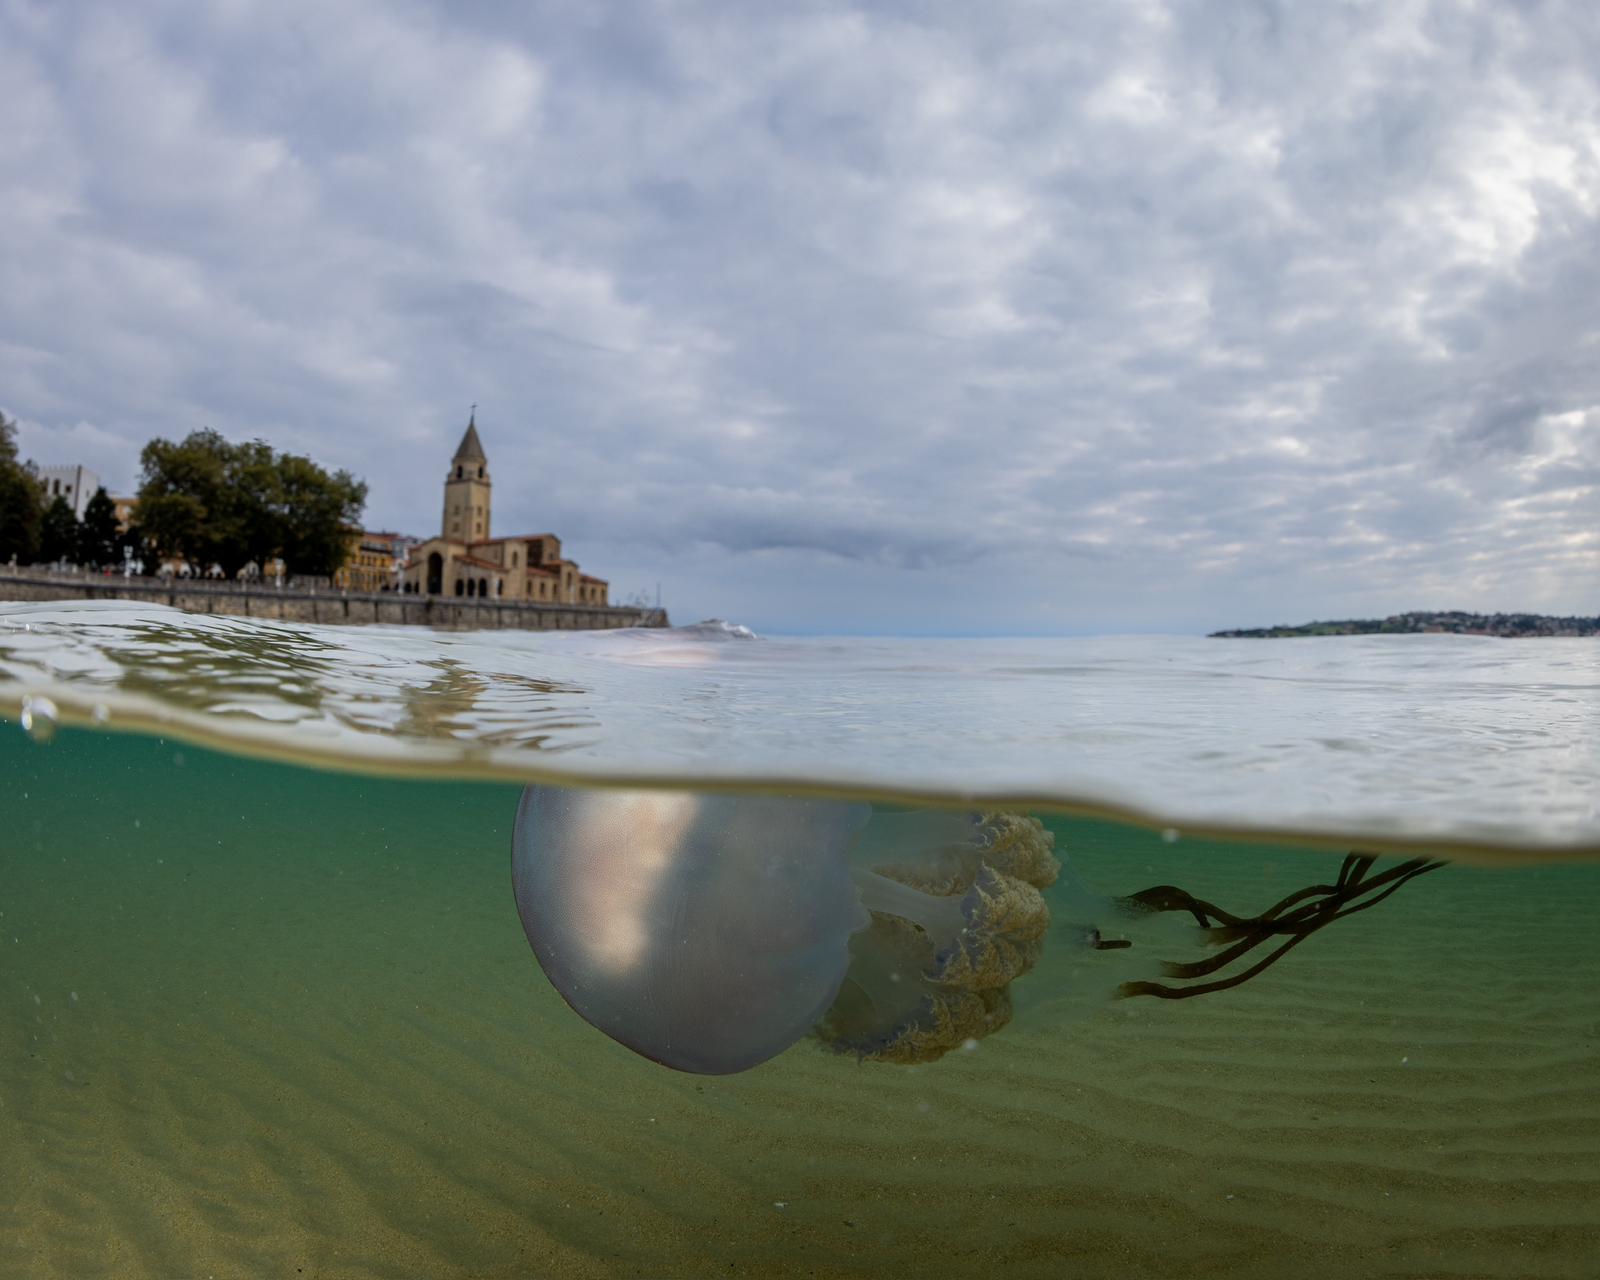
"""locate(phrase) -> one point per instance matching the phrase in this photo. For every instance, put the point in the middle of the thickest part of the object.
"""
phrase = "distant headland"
(1511, 626)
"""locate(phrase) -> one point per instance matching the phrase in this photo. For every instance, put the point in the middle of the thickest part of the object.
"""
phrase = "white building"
(75, 484)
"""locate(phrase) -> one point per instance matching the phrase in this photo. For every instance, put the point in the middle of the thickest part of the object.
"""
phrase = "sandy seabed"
(257, 1021)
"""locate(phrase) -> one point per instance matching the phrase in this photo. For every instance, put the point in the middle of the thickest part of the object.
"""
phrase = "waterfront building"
(124, 507)
(403, 542)
(467, 560)
(74, 483)
(374, 561)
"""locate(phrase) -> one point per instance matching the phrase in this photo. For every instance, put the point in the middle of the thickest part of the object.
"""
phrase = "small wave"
(717, 629)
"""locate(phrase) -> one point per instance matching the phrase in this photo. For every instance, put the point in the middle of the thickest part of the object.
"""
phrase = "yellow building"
(124, 507)
(370, 559)
(466, 560)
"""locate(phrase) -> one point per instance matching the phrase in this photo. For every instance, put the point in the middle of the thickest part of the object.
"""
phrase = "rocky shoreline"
(1504, 625)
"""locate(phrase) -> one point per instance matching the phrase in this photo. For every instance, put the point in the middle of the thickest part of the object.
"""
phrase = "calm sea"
(267, 1006)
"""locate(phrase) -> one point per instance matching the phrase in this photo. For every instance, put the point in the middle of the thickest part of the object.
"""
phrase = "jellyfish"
(712, 932)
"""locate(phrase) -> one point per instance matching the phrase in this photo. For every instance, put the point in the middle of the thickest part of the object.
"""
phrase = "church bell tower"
(466, 489)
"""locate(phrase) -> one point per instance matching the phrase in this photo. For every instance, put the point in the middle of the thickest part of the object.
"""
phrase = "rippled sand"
(256, 1021)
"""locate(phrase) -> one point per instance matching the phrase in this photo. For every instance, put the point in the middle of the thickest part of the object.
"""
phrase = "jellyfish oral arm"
(941, 918)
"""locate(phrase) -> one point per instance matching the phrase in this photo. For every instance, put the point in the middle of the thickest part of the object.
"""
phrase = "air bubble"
(39, 718)
(101, 713)
(1170, 835)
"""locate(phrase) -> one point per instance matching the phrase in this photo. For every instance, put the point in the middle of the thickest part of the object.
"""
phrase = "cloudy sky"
(1031, 317)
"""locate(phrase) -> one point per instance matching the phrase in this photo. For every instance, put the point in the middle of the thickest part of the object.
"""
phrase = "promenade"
(328, 606)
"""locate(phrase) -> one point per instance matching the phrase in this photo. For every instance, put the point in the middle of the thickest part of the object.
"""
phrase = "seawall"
(331, 607)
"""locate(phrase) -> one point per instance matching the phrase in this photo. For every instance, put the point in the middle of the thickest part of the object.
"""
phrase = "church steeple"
(467, 489)
(471, 448)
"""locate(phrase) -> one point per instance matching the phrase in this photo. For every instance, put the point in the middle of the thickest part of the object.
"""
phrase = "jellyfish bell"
(711, 932)
(706, 932)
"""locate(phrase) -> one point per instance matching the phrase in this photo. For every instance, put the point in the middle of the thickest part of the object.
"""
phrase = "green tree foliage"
(97, 533)
(181, 494)
(215, 502)
(58, 532)
(319, 511)
(21, 501)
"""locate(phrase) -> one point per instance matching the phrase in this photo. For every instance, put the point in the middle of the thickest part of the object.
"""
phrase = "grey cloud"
(1505, 426)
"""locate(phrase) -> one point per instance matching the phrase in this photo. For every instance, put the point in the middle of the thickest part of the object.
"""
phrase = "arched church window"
(500, 587)
(483, 586)
(480, 473)
(459, 587)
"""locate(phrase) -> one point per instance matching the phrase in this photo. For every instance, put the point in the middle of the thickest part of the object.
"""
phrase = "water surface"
(1489, 746)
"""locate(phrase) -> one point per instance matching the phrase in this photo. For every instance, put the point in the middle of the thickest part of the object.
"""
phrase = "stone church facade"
(466, 561)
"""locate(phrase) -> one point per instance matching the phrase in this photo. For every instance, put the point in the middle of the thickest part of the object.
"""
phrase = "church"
(466, 560)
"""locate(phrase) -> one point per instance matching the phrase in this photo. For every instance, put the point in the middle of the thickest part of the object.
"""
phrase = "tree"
(255, 513)
(58, 532)
(211, 501)
(21, 500)
(181, 493)
(318, 512)
(97, 534)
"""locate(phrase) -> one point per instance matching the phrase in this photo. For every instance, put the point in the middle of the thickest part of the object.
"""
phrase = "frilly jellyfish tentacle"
(933, 970)
(1007, 922)
(940, 850)
(982, 939)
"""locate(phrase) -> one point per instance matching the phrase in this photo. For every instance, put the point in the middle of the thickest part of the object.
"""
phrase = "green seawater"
(259, 1019)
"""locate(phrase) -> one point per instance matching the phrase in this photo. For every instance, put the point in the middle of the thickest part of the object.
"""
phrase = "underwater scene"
(383, 953)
